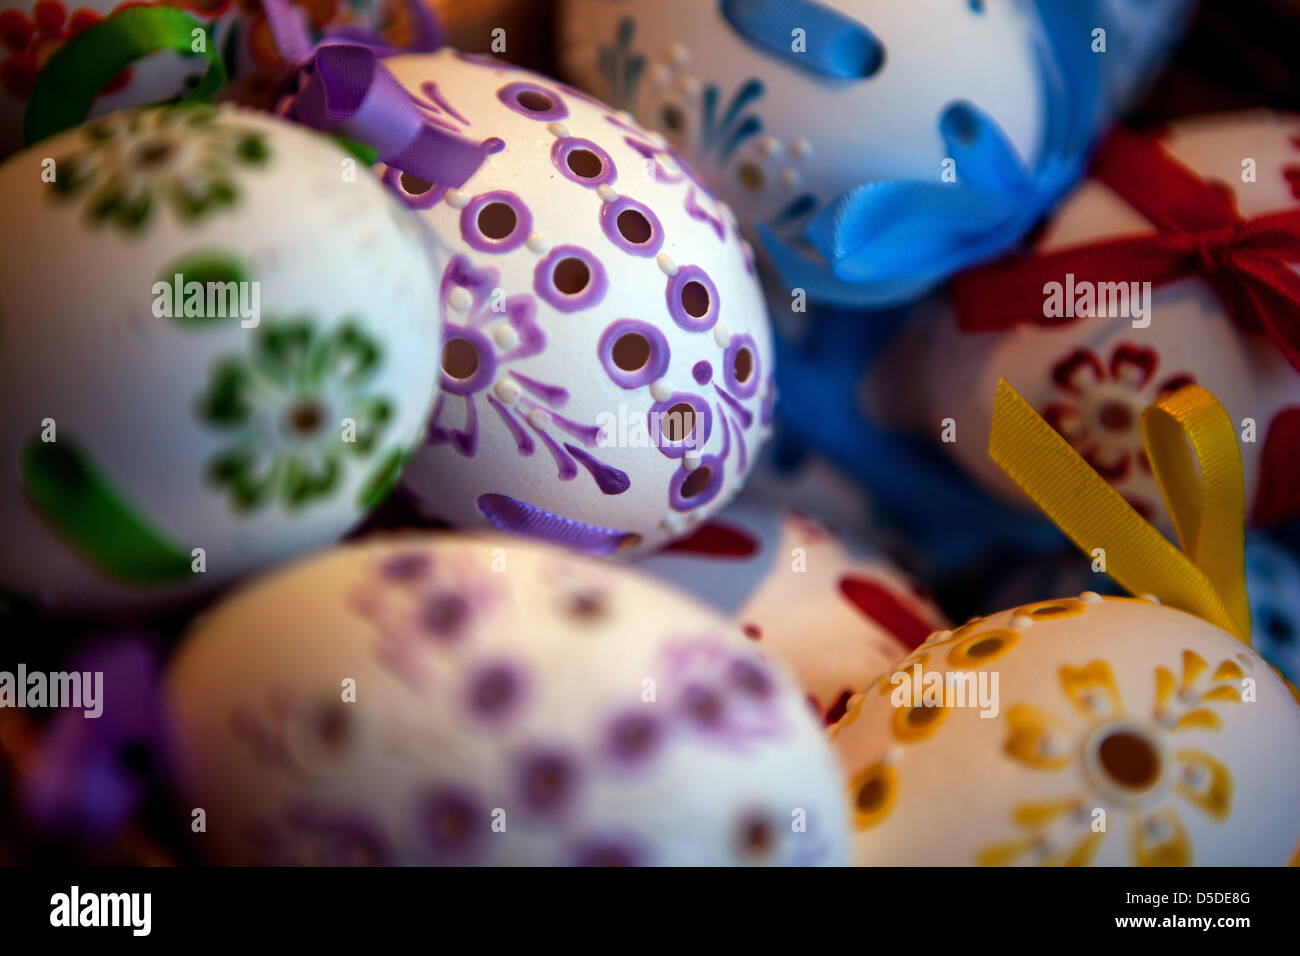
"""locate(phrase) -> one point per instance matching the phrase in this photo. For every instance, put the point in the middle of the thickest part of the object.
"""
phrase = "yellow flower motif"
(1128, 760)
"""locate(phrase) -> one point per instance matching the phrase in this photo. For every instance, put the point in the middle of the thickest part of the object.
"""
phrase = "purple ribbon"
(344, 89)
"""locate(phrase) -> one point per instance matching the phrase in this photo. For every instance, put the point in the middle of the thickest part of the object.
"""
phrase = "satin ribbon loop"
(75, 74)
(886, 242)
(1198, 232)
(1192, 446)
(834, 45)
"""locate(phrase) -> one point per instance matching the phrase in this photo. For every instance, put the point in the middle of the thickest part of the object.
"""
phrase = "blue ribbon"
(834, 45)
(885, 243)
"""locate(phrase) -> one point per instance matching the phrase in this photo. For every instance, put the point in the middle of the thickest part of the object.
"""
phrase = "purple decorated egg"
(439, 699)
(607, 360)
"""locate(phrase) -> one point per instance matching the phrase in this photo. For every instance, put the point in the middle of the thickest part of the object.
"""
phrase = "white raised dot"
(1090, 597)
(660, 76)
(672, 524)
(689, 86)
(691, 460)
(539, 419)
(721, 335)
(801, 147)
(1051, 746)
(506, 390)
(893, 757)
(456, 198)
(606, 192)
(558, 129)
(658, 141)
(667, 264)
(660, 390)
(678, 55)
(1020, 622)
(505, 336)
(1149, 597)
(769, 146)
(459, 298)
(727, 213)
(537, 243)
(789, 178)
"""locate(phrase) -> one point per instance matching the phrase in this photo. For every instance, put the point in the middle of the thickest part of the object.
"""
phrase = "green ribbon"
(67, 85)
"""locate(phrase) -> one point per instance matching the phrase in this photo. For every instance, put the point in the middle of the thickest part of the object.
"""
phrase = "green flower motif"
(129, 163)
(298, 410)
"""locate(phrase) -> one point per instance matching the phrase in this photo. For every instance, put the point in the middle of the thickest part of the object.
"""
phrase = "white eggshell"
(936, 371)
(777, 134)
(834, 614)
(1120, 733)
(34, 30)
(547, 428)
(145, 410)
(512, 705)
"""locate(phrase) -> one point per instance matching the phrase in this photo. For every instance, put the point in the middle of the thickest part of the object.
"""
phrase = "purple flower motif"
(413, 609)
(720, 696)
(494, 691)
(451, 824)
(548, 782)
(471, 358)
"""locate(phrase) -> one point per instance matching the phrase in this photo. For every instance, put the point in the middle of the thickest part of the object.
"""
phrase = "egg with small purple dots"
(607, 364)
(457, 700)
(1095, 730)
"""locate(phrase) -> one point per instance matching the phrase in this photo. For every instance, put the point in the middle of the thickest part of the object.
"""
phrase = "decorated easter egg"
(607, 368)
(456, 700)
(831, 612)
(1107, 731)
(1273, 579)
(219, 344)
(787, 108)
(31, 32)
(1090, 350)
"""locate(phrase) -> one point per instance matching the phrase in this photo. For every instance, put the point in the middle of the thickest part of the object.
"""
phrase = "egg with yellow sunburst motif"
(1085, 731)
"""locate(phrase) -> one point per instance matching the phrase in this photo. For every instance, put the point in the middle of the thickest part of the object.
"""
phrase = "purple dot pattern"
(591, 294)
(473, 235)
(566, 145)
(609, 222)
(677, 286)
(661, 422)
(519, 97)
(656, 365)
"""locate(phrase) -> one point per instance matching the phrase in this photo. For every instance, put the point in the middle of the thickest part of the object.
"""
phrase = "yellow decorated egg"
(1089, 730)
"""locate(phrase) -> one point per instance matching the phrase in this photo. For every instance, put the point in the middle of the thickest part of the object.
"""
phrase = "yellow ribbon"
(1192, 446)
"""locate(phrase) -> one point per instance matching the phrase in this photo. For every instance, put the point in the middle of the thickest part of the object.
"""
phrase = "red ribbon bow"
(1199, 231)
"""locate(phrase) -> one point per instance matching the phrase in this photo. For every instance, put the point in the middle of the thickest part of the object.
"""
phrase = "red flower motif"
(1100, 415)
(29, 42)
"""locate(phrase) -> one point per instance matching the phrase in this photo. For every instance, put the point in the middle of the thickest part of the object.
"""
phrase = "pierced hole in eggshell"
(571, 275)
(672, 117)
(1129, 759)
(919, 717)
(497, 220)
(983, 648)
(1115, 416)
(584, 163)
(535, 101)
(459, 358)
(414, 185)
(697, 481)
(634, 226)
(755, 837)
(871, 795)
(743, 365)
(695, 299)
(678, 422)
(750, 176)
(631, 351)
